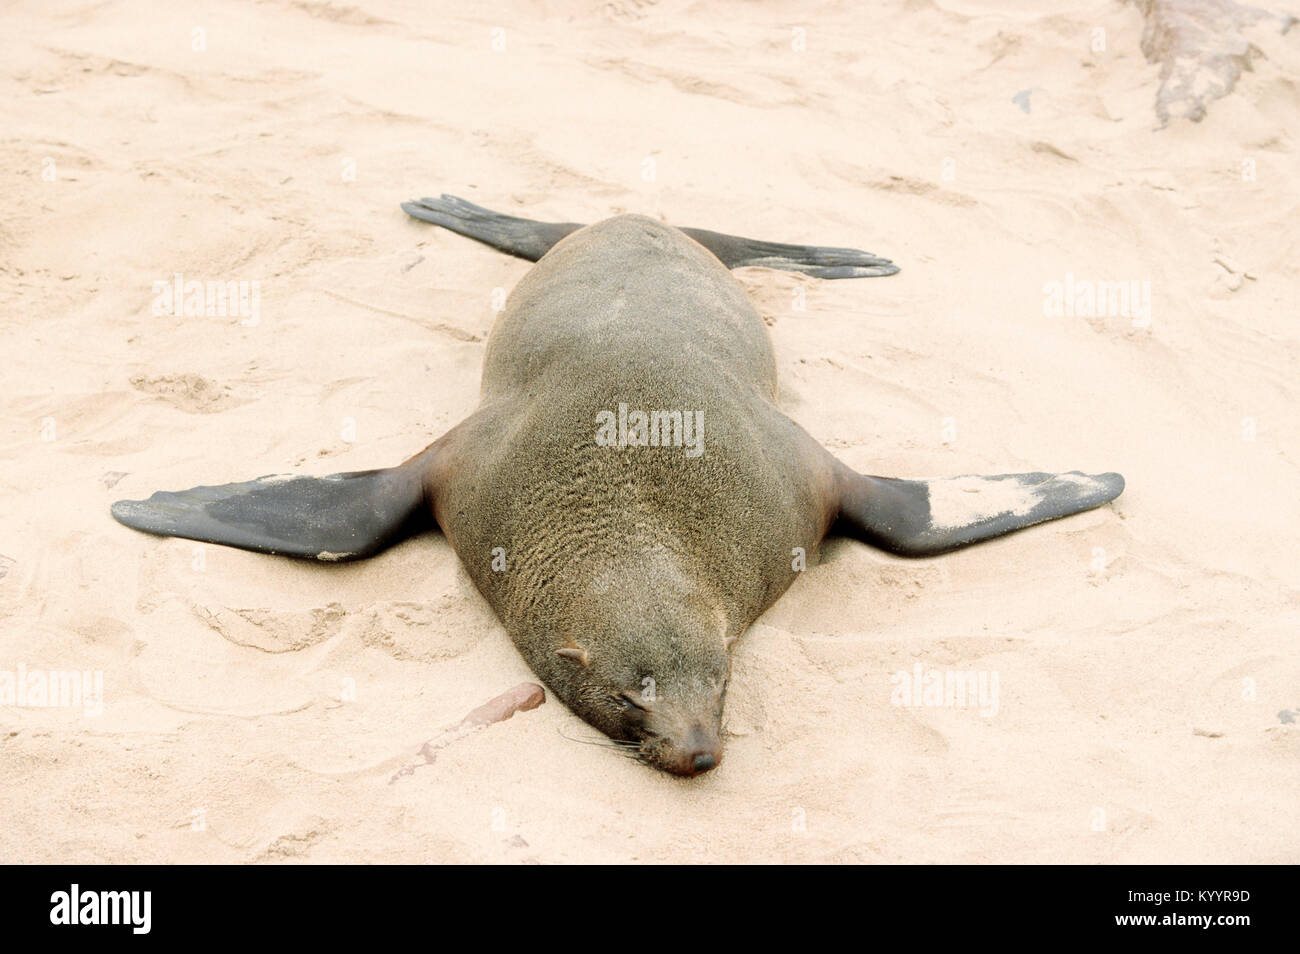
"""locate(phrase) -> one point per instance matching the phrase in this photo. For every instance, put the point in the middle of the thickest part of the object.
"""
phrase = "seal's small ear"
(335, 518)
(575, 653)
(927, 517)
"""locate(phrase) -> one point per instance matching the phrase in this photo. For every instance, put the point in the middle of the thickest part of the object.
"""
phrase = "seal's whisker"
(606, 743)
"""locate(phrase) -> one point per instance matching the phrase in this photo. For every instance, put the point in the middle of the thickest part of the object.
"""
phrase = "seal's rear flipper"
(816, 260)
(340, 517)
(926, 517)
(522, 237)
(531, 240)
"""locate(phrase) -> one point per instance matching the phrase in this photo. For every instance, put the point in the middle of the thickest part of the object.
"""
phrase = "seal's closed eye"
(632, 700)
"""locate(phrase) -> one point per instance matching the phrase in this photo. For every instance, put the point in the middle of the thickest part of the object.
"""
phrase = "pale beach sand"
(254, 708)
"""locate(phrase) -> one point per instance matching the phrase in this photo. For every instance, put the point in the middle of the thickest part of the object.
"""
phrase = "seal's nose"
(698, 752)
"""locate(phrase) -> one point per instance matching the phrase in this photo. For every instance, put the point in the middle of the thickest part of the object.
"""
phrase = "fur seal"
(627, 495)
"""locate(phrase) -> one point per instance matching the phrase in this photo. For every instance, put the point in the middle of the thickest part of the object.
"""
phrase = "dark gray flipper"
(531, 240)
(339, 517)
(521, 237)
(816, 260)
(927, 517)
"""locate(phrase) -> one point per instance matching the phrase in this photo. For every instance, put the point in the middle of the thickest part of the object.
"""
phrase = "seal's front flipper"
(926, 517)
(816, 260)
(522, 237)
(340, 517)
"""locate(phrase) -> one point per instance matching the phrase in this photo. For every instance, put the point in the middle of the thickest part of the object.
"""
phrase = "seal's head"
(648, 666)
(665, 705)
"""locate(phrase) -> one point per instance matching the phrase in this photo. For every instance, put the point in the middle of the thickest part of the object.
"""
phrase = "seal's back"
(629, 289)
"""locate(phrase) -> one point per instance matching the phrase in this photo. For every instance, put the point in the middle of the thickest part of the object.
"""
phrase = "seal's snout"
(691, 764)
(698, 753)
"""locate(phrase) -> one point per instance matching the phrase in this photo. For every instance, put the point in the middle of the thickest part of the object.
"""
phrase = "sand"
(255, 709)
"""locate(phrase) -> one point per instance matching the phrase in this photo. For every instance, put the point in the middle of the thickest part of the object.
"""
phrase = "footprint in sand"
(188, 392)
